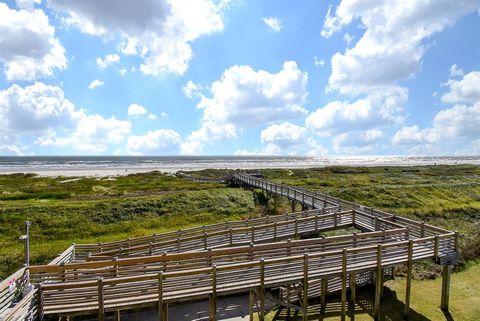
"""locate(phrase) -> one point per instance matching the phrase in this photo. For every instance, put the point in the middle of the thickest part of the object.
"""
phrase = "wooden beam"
(323, 296)
(344, 285)
(251, 304)
(408, 288)
(212, 299)
(101, 307)
(446, 274)
(378, 283)
(305, 287)
(261, 294)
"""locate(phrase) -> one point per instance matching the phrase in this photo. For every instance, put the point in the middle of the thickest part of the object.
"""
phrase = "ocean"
(121, 165)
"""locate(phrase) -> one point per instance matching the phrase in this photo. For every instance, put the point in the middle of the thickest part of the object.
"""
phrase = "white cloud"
(455, 71)
(466, 90)
(152, 116)
(42, 112)
(28, 47)
(192, 89)
(289, 139)
(27, 4)
(159, 31)
(95, 84)
(10, 150)
(375, 110)
(392, 46)
(122, 71)
(136, 110)
(274, 24)
(347, 38)
(157, 142)
(108, 60)
(244, 98)
(318, 62)
(357, 142)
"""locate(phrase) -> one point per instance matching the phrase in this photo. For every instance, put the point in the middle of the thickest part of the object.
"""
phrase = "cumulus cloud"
(274, 24)
(159, 31)
(95, 84)
(10, 150)
(392, 46)
(41, 111)
(375, 110)
(157, 142)
(465, 90)
(455, 71)
(28, 47)
(107, 60)
(357, 142)
(460, 122)
(244, 98)
(136, 110)
(192, 89)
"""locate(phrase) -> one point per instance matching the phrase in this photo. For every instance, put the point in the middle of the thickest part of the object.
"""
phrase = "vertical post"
(160, 297)
(422, 229)
(275, 232)
(293, 206)
(296, 227)
(378, 283)
(288, 301)
(323, 296)
(353, 291)
(316, 222)
(408, 288)
(205, 240)
(251, 304)
(305, 287)
(446, 273)
(101, 307)
(212, 300)
(253, 234)
(261, 314)
(335, 219)
(150, 248)
(231, 237)
(344, 284)
(436, 249)
(117, 315)
(26, 242)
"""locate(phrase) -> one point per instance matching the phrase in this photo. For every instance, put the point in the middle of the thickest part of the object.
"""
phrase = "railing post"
(378, 283)
(408, 288)
(305, 287)
(446, 273)
(101, 306)
(422, 229)
(251, 304)
(275, 232)
(213, 296)
(436, 249)
(205, 240)
(253, 233)
(161, 303)
(344, 284)
(231, 237)
(261, 315)
(296, 227)
(323, 296)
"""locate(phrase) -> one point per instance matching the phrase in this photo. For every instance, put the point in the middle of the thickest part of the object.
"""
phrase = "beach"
(104, 166)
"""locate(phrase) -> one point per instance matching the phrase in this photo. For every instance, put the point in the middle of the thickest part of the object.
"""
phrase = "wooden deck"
(252, 256)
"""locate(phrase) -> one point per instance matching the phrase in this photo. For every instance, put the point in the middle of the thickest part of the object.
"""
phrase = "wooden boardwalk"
(255, 256)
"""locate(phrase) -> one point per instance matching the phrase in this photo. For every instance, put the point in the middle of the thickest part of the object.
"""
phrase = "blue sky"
(205, 77)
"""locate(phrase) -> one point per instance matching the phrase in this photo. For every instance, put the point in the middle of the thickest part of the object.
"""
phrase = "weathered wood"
(408, 288)
(323, 297)
(251, 304)
(212, 299)
(378, 283)
(446, 275)
(305, 287)
(101, 306)
(261, 294)
(344, 286)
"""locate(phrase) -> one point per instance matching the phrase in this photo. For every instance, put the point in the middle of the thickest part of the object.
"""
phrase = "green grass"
(161, 203)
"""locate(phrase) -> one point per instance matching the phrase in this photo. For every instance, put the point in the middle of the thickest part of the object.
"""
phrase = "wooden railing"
(13, 305)
(157, 288)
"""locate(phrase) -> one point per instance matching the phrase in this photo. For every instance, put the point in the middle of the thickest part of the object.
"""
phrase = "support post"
(27, 243)
(323, 296)
(261, 312)
(344, 285)
(251, 304)
(305, 287)
(378, 283)
(101, 307)
(353, 291)
(117, 315)
(408, 288)
(212, 299)
(446, 273)
(293, 206)
(160, 297)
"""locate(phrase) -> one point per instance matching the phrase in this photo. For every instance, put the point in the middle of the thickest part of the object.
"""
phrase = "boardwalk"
(259, 257)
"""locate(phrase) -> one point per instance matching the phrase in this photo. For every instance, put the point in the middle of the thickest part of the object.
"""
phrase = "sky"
(240, 77)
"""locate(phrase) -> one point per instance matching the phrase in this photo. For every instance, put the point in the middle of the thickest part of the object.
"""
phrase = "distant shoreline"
(105, 166)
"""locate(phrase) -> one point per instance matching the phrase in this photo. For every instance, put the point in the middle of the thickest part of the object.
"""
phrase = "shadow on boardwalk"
(391, 309)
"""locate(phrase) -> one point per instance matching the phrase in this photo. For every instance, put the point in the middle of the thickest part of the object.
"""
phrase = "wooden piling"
(378, 283)
(305, 287)
(408, 288)
(344, 285)
(446, 274)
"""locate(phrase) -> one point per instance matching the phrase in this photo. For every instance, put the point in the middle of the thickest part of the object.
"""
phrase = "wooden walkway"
(252, 256)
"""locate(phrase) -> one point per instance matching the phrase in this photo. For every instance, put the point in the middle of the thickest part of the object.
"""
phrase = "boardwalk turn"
(256, 257)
